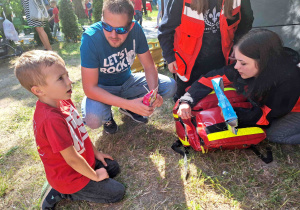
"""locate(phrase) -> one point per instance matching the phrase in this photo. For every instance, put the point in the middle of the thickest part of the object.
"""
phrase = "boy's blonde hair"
(28, 68)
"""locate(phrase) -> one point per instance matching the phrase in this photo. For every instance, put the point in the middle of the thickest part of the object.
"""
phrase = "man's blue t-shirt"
(113, 63)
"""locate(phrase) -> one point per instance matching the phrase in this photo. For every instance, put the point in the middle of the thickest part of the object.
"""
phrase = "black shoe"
(110, 126)
(136, 117)
(50, 198)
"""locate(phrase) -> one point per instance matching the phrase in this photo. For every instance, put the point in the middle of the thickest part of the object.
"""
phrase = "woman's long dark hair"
(201, 6)
(266, 48)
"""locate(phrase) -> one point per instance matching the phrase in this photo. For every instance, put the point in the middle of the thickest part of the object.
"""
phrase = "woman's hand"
(184, 111)
(173, 67)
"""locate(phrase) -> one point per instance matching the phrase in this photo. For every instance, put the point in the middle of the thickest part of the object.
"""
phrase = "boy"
(89, 8)
(54, 17)
(74, 167)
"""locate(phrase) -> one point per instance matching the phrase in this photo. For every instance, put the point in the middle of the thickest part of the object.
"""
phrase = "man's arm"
(151, 74)
(92, 91)
(79, 164)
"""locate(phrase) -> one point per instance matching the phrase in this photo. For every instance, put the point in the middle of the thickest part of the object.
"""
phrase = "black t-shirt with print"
(211, 42)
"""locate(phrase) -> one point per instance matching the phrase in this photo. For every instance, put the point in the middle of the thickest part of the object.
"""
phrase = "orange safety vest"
(188, 36)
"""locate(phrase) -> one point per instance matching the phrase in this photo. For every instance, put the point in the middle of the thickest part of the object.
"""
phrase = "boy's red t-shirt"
(56, 129)
(55, 12)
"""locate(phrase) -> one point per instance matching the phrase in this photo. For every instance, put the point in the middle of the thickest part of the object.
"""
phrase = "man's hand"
(101, 174)
(101, 156)
(137, 106)
(158, 102)
(184, 111)
(173, 67)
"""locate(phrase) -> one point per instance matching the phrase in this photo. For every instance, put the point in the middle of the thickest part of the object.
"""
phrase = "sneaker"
(136, 117)
(110, 126)
(50, 198)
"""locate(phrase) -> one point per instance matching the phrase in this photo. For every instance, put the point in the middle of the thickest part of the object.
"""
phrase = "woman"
(268, 75)
(38, 25)
(201, 38)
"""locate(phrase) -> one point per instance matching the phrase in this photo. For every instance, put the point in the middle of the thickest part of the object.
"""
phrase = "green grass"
(152, 173)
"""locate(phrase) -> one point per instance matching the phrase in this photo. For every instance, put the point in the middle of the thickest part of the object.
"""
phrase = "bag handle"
(267, 159)
(176, 147)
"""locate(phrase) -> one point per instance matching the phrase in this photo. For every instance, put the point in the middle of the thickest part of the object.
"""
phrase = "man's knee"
(169, 89)
(93, 121)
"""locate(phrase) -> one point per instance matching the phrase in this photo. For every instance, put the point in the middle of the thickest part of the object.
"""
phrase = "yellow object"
(228, 134)
(225, 89)
(156, 53)
(184, 141)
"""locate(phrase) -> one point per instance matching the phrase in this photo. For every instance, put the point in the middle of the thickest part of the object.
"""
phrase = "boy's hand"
(101, 156)
(101, 174)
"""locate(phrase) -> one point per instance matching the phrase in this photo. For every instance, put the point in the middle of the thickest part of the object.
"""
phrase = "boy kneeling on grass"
(74, 167)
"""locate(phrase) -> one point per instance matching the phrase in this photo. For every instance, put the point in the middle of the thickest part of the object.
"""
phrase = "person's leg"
(285, 130)
(51, 26)
(141, 17)
(55, 29)
(112, 168)
(144, 6)
(106, 191)
(158, 18)
(43, 37)
(134, 87)
(136, 15)
(50, 197)
(95, 113)
(90, 15)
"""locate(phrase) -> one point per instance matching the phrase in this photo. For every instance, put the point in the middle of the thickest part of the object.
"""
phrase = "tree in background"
(97, 10)
(69, 21)
(79, 10)
(11, 5)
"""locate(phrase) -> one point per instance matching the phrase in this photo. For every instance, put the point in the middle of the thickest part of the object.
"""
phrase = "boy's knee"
(117, 192)
(113, 168)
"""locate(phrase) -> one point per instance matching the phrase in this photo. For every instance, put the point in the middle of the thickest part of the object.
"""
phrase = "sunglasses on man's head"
(119, 30)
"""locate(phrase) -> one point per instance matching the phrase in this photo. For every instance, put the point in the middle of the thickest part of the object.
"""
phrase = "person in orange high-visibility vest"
(268, 75)
(202, 37)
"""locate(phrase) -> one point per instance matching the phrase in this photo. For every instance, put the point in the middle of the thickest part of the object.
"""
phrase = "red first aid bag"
(207, 129)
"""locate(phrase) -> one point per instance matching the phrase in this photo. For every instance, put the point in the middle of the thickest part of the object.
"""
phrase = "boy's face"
(59, 85)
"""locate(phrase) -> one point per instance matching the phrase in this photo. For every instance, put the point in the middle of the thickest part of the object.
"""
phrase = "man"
(108, 49)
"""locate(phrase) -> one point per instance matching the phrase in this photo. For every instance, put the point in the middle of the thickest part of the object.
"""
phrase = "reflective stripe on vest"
(188, 37)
